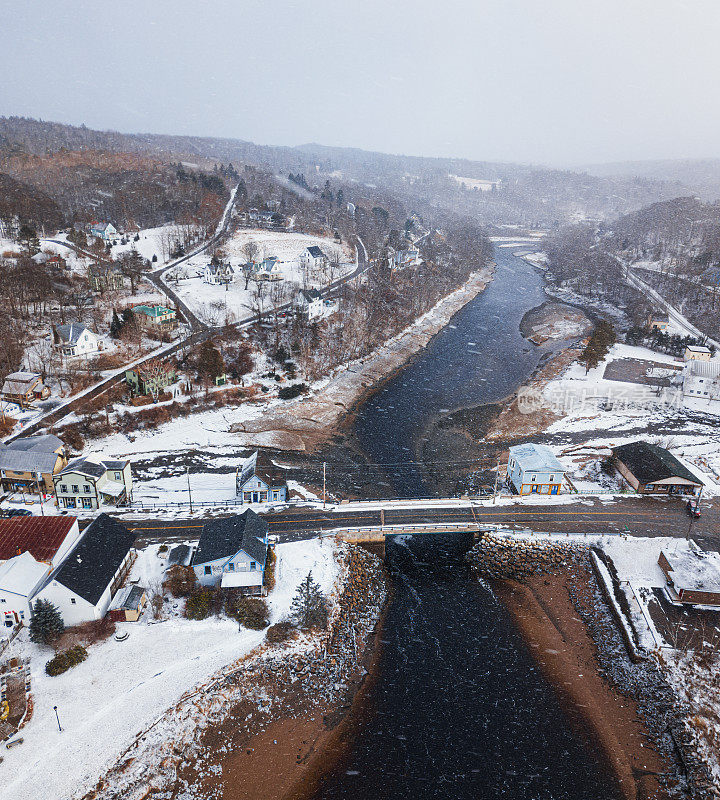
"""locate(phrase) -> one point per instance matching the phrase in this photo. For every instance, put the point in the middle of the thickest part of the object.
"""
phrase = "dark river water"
(479, 358)
(458, 708)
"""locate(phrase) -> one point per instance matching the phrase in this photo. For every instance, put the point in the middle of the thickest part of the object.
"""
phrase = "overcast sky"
(547, 81)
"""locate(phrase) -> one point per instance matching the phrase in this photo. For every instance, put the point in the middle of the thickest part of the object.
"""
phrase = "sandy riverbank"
(305, 424)
(543, 609)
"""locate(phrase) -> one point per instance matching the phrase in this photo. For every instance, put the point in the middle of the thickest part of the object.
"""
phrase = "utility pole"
(40, 495)
(497, 478)
(324, 483)
(187, 472)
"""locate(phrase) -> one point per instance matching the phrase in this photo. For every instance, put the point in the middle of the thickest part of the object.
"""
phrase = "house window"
(63, 488)
(72, 601)
(87, 502)
(75, 488)
(253, 565)
(2, 600)
(231, 567)
(86, 489)
(208, 570)
(552, 478)
(118, 476)
(533, 478)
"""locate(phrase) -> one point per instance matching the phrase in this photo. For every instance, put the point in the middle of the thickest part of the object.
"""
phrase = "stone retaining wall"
(505, 557)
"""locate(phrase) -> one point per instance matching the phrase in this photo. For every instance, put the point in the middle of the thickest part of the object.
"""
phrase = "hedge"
(63, 661)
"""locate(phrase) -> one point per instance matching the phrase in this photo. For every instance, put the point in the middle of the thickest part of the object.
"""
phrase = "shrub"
(63, 661)
(180, 581)
(251, 612)
(72, 437)
(289, 392)
(269, 571)
(200, 604)
(280, 632)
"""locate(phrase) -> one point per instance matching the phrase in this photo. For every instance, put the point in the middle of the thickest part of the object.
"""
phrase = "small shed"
(128, 604)
(697, 353)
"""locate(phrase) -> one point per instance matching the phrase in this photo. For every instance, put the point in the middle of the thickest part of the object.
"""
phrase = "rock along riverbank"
(306, 423)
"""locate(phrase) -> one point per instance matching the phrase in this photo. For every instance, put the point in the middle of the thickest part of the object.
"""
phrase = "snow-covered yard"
(123, 687)
(216, 303)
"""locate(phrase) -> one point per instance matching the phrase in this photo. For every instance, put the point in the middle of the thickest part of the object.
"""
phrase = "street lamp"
(58, 718)
(187, 472)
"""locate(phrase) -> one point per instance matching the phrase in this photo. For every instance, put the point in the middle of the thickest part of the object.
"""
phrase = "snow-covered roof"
(129, 597)
(22, 574)
(693, 569)
(20, 382)
(241, 578)
(693, 348)
(536, 458)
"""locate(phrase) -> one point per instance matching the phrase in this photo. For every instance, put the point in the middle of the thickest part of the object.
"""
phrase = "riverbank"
(307, 423)
(257, 729)
(620, 707)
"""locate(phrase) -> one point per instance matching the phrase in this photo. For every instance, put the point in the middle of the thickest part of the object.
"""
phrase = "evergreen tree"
(309, 607)
(116, 325)
(46, 624)
(210, 361)
(340, 197)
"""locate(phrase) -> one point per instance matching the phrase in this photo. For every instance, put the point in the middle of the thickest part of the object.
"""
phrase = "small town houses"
(155, 319)
(30, 548)
(221, 274)
(24, 389)
(83, 585)
(309, 304)
(105, 278)
(90, 482)
(232, 552)
(29, 464)
(313, 258)
(534, 469)
(75, 339)
(150, 378)
(259, 481)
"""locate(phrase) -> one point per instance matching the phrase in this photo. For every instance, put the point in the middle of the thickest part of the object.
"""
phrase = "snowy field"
(123, 687)
(236, 302)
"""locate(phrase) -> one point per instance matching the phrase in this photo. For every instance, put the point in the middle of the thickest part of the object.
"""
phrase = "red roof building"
(47, 539)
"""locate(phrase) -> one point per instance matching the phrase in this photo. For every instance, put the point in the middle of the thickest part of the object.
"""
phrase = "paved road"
(632, 515)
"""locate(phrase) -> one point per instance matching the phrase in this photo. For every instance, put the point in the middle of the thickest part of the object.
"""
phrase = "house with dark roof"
(29, 463)
(75, 339)
(232, 552)
(24, 388)
(219, 274)
(309, 304)
(651, 469)
(259, 481)
(313, 257)
(90, 482)
(47, 539)
(83, 585)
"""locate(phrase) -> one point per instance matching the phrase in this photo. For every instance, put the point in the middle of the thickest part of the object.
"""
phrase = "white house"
(309, 304)
(701, 381)
(696, 353)
(75, 339)
(258, 482)
(83, 585)
(218, 274)
(533, 469)
(232, 552)
(313, 257)
(20, 578)
(90, 482)
(404, 258)
(105, 231)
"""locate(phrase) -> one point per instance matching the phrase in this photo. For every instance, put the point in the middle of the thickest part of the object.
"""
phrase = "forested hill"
(435, 187)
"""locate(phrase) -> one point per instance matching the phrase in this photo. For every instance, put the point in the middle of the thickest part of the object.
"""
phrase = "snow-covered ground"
(597, 414)
(235, 302)
(123, 687)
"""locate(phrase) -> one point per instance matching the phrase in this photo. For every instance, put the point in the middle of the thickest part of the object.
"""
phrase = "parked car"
(16, 512)
(693, 509)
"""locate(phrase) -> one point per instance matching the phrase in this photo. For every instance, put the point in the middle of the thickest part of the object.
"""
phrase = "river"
(479, 358)
(457, 708)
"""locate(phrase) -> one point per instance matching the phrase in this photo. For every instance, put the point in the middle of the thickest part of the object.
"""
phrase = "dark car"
(693, 509)
(17, 512)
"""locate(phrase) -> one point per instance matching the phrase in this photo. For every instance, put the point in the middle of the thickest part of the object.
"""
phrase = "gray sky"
(548, 81)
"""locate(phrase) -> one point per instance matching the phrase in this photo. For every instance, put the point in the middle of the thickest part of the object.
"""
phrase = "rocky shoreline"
(629, 710)
(259, 727)
(307, 423)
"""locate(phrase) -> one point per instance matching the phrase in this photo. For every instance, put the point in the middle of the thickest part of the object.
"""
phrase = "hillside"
(28, 203)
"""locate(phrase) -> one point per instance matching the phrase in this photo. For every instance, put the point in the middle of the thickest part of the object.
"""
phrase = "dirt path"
(543, 610)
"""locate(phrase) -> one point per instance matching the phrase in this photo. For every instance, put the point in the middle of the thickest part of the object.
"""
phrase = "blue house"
(533, 469)
(259, 482)
(232, 552)
(105, 231)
